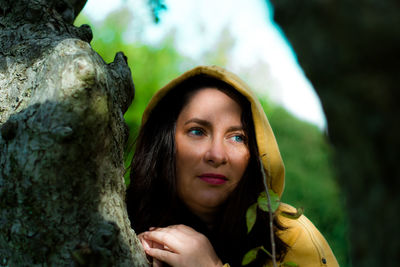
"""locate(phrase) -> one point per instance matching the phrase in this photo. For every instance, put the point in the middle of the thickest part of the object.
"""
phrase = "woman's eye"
(239, 138)
(196, 132)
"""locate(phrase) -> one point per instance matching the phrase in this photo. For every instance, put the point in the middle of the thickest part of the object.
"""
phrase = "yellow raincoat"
(307, 247)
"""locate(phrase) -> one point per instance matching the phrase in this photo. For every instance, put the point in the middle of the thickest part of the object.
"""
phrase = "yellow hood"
(266, 142)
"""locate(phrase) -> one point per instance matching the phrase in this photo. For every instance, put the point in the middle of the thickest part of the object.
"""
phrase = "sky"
(257, 43)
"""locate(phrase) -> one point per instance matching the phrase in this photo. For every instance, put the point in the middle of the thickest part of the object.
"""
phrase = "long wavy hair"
(152, 198)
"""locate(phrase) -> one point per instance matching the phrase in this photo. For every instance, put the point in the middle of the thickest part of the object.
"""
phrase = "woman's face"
(211, 151)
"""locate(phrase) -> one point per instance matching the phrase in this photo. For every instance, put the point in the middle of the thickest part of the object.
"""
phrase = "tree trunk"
(62, 191)
(350, 52)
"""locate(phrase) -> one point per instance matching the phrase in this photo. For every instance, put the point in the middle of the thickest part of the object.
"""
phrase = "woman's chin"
(210, 203)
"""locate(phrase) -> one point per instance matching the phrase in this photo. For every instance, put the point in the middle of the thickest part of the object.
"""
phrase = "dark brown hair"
(152, 197)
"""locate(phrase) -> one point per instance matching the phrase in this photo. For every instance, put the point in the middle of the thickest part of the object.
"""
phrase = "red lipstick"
(213, 178)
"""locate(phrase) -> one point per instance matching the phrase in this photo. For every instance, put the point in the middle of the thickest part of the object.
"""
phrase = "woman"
(196, 171)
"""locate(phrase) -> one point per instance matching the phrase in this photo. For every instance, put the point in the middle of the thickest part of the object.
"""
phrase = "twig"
(271, 229)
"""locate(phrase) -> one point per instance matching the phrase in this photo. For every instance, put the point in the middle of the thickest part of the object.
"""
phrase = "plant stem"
(271, 228)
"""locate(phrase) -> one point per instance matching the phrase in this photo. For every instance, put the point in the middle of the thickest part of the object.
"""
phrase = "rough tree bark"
(62, 134)
(350, 52)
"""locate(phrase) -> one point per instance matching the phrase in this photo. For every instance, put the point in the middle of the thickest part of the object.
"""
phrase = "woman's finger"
(162, 255)
(169, 239)
(179, 231)
(145, 242)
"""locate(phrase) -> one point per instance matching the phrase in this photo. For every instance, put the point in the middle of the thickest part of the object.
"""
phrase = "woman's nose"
(216, 154)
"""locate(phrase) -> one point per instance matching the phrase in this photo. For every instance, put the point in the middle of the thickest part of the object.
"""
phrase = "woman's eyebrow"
(208, 124)
(199, 121)
(235, 128)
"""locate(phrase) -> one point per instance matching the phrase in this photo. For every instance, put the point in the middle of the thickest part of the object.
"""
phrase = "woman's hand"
(179, 246)
(150, 244)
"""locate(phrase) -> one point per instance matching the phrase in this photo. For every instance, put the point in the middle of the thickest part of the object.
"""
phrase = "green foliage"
(251, 216)
(263, 201)
(293, 216)
(262, 204)
(251, 255)
(156, 7)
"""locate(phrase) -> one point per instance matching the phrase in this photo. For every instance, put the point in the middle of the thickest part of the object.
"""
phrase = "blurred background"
(161, 43)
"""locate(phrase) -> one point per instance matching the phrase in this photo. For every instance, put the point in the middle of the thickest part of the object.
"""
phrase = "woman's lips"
(213, 178)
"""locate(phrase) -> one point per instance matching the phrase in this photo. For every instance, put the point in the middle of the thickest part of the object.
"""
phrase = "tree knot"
(9, 130)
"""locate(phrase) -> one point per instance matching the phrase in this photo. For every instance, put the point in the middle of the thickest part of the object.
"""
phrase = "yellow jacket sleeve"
(307, 246)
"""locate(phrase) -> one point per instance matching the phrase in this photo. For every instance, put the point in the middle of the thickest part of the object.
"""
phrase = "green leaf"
(266, 251)
(251, 215)
(250, 256)
(263, 201)
(299, 212)
(289, 264)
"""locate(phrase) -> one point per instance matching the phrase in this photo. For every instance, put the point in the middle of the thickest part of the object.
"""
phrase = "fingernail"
(152, 228)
